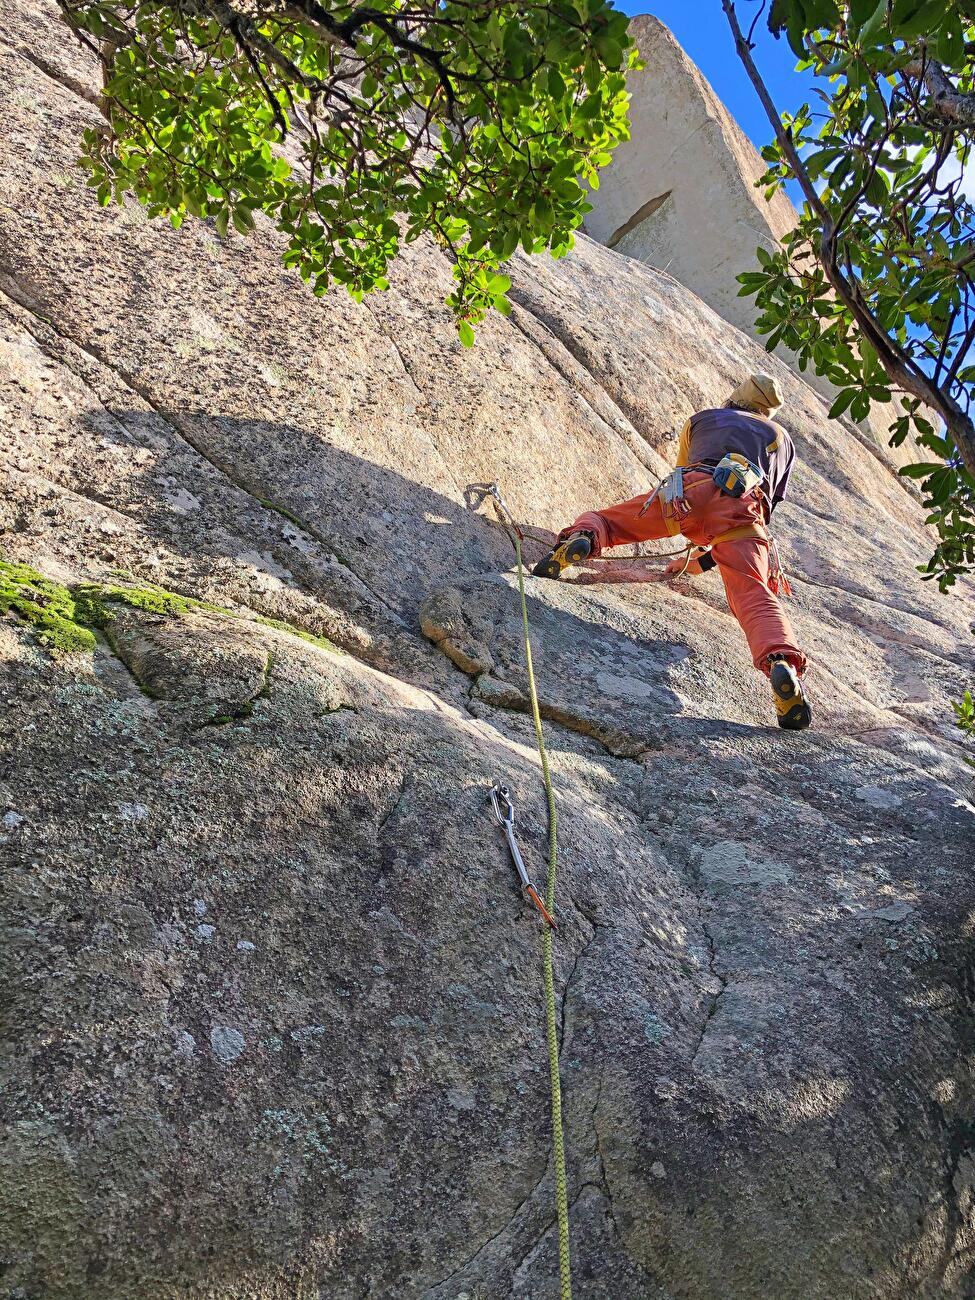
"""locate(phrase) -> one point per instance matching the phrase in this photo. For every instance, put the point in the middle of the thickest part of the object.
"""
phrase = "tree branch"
(952, 106)
(901, 368)
(244, 30)
(251, 58)
(364, 16)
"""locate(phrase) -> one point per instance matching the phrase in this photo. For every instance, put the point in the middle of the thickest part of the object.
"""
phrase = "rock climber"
(733, 468)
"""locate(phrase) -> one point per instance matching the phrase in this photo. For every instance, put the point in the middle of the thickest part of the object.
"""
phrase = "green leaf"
(950, 44)
(861, 11)
(590, 107)
(508, 244)
(794, 34)
(918, 471)
(610, 51)
(874, 23)
(940, 446)
(820, 13)
(919, 19)
(874, 14)
(465, 333)
(842, 403)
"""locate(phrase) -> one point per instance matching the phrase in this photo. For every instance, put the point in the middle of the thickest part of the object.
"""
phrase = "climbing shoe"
(791, 705)
(575, 547)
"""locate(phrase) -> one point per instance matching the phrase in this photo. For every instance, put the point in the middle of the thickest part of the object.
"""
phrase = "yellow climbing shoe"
(791, 705)
(575, 547)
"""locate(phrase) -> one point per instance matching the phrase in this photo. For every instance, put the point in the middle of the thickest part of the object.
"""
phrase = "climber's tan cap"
(758, 393)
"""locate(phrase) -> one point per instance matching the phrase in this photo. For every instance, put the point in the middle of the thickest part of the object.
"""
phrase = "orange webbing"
(743, 530)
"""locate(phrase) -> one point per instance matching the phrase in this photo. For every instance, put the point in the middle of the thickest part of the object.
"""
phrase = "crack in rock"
(55, 74)
(715, 998)
(431, 1292)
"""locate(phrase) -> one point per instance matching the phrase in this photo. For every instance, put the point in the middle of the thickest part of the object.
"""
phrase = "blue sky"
(702, 29)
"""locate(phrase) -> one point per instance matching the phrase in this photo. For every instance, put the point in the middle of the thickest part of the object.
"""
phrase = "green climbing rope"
(548, 961)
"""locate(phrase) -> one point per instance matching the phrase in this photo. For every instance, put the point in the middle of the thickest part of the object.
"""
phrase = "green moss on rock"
(94, 600)
(64, 619)
(279, 625)
(47, 607)
(284, 512)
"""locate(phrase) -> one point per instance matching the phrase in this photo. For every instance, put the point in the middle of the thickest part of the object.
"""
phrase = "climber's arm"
(700, 562)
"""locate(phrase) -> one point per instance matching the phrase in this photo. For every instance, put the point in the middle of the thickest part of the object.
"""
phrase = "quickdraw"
(504, 811)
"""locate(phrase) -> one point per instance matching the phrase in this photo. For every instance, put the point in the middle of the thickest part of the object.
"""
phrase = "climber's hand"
(682, 565)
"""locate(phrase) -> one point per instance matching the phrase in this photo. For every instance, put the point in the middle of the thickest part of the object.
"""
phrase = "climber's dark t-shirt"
(708, 435)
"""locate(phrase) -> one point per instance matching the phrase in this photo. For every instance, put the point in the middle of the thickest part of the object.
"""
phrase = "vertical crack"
(715, 998)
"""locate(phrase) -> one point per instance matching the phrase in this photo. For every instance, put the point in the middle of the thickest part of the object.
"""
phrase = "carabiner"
(504, 811)
(501, 794)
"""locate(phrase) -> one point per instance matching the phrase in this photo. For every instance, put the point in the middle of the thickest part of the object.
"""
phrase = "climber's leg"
(598, 529)
(744, 568)
(622, 524)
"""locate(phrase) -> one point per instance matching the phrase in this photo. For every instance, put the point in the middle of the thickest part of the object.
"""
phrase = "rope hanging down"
(548, 958)
(548, 936)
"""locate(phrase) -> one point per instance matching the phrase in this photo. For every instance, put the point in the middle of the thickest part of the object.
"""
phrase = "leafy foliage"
(874, 287)
(965, 719)
(356, 128)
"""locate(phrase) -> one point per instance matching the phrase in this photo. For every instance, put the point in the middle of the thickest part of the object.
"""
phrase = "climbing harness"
(734, 474)
(548, 935)
(737, 476)
(670, 491)
(504, 810)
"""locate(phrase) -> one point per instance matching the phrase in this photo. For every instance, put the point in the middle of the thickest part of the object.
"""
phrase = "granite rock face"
(272, 1020)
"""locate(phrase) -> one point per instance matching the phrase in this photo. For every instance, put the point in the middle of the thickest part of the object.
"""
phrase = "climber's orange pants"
(743, 563)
